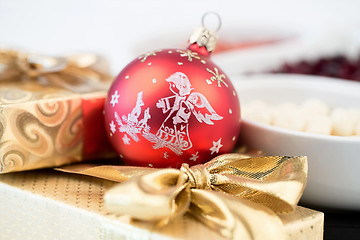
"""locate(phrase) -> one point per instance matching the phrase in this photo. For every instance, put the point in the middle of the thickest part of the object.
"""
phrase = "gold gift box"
(46, 204)
(51, 110)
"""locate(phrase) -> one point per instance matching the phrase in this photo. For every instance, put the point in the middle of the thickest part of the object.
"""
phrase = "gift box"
(51, 110)
(46, 204)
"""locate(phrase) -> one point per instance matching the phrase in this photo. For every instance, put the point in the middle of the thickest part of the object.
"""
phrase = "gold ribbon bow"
(235, 195)
(69, 72)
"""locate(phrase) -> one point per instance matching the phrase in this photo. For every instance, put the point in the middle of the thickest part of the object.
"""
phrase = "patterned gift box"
(51, 110)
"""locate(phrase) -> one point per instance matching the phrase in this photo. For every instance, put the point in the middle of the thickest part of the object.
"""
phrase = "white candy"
(257, 111)
(355, 116)
(255, 106)
(261, 117)
(357, 129)
(318, 124)
(286, 115)
(314, 107)
(343, 123)
(312, 116)
(285, 107)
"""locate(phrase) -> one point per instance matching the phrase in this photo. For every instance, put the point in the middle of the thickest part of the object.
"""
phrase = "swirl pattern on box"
(12, 156)
(38, 135)
(45, 104)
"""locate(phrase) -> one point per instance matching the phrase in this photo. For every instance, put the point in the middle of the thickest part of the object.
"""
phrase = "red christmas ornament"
(173, 106)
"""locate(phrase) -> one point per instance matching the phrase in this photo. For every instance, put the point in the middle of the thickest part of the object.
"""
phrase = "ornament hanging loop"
(218, 19)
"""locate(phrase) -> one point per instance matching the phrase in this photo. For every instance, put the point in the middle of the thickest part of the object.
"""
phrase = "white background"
(117, 28)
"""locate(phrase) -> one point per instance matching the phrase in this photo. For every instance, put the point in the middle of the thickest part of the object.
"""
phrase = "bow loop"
(78, 73)
(155, 196)
(35, 65)
(276, 182)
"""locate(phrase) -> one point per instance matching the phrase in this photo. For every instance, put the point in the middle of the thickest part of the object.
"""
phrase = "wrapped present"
(51, 109)
(236, 196)
(46, 204)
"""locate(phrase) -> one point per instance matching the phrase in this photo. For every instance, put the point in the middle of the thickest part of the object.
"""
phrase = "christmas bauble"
(172, 106)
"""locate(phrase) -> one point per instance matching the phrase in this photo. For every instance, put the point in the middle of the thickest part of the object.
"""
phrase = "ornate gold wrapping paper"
(50, 109)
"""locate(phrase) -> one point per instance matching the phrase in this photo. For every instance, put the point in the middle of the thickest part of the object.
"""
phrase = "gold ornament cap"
(205, 37)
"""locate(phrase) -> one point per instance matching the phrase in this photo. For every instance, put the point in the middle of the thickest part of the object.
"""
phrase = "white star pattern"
(114, 98)
(126, 139)
(216, 147)
(112, 127)
(194, 157)
(166, 155)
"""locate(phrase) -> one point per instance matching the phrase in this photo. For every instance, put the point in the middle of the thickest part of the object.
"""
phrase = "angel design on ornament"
(174, 131)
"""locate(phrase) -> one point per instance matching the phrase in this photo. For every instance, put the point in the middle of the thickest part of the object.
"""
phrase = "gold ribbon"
(78, 73)
(233, 194)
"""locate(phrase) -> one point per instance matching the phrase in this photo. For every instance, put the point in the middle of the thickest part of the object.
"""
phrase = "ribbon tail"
(234, 218)
(113, 173)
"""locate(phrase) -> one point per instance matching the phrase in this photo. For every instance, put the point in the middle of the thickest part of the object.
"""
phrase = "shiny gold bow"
(233, 194)
(78, 73)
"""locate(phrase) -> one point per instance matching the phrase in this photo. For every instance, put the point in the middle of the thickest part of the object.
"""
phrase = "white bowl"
(334, 161)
